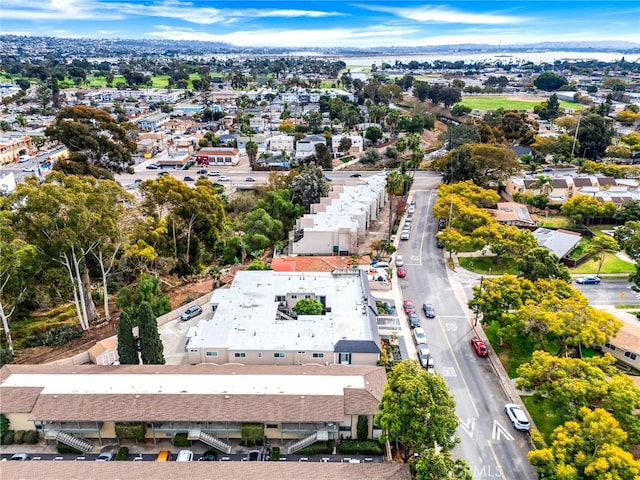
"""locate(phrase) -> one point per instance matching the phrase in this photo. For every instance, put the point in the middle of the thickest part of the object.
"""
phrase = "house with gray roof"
(560, 242)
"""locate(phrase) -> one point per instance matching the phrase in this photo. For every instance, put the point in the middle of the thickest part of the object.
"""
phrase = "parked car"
(439, 243)
(408, 219)
(428, 310)
(409, 307)
(412, 209)
(29, 169)
(399, 261)
(547, 170)
(105, 457)
(152, 166)
(404, 235)
(184, 456)
(442, 224)
(189, 179)
(356, 175)
(20, 457)
(23, 158)
(209, 456)
(588, 280)
(424, 355)
(162, 174)
(191, 312)
(414, 321)
(412, 203)
(401, 272)
(517, 416)
(419, 336)
(479, 347)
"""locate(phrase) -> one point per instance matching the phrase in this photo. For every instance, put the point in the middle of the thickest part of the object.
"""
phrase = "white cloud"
(58, 10)
(433, 14)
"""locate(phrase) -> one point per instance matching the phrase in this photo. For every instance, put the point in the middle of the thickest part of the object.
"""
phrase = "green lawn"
(554, 221)
(612, 264)
(542, 414)
(493, 103)
(489, 265)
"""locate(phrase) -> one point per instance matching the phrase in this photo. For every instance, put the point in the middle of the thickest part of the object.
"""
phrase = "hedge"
(18, 437)
(123, 454)
(131, 431)
(317, 448)
(7, 438)
(275, 454)
(180, 440)
(252, 433)
(31, 437)
(367, 447)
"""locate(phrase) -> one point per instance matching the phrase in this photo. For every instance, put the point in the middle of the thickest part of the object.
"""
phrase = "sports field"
(509, 103)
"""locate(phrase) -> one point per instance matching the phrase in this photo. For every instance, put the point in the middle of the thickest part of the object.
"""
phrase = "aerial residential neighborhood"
(224, 258)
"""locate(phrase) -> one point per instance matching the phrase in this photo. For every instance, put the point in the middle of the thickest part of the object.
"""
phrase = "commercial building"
(254, 322)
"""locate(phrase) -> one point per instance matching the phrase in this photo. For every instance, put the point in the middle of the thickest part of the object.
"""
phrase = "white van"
(184, 456)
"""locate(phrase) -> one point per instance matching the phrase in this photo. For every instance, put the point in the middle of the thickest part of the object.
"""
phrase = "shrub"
(62, 448)
(31, 437)
(252, 433)
(180, 440)
(4, 424)
(18, 437)
(55, 337)
(7, 438)
(131, 431)
(123, 454)
(317, 448)
(368, 447)
(275, 454)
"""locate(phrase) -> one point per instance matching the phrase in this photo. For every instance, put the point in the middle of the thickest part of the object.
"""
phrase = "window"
(630, 355)
(307, 296)
(281, 298)
(318, 355)
(240, 355)
(212, 354)
(272, 425)
(294, 296)
(259, 354)
(279, 355)
(609, 346)
(301, 353)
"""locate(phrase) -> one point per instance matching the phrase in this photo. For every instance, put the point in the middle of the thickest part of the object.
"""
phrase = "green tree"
(549, 81)
(595, 134)
(394, 188)
(481, 163)
(371, 155)
(345, 144)
(600, 246)
(362, 428)
(309, 186)
(628, 238)
(151, 348)
(147, 290)
(591, 447)
(308, 306)
(94, 139)
(259, 221)
(416, 410)
(548, 110)
(541, 262)
(4, 424)
(433, 465)
(373, 134)
(582, 208)
(127, 351)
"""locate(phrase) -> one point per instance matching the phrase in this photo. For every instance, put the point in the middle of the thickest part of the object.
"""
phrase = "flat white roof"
(246, 315)
(114, 384)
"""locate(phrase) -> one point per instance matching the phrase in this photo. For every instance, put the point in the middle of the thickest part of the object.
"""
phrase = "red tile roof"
(314, 263)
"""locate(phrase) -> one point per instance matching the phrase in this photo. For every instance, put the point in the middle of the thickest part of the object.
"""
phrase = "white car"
(424, 355)
(404, 235)
(213, 173)
(222, 178)
(399, 261)
(420, 337)
(411, 210)
(517, 416)
(29, 169)
(105, 457)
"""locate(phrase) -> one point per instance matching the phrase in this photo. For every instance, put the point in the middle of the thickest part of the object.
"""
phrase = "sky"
(328, 23)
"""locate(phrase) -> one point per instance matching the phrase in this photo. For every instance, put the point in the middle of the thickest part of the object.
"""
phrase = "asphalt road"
(488, 442)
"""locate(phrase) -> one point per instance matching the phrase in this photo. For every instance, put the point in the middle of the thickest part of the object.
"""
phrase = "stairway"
(210, 440)
(78, 443)
(305, 442)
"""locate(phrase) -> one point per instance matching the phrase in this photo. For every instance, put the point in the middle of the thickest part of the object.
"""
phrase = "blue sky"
(328, 23)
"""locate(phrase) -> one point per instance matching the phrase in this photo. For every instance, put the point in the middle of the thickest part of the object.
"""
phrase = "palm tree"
(394, 187)
(252, 151)
(544, 183)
